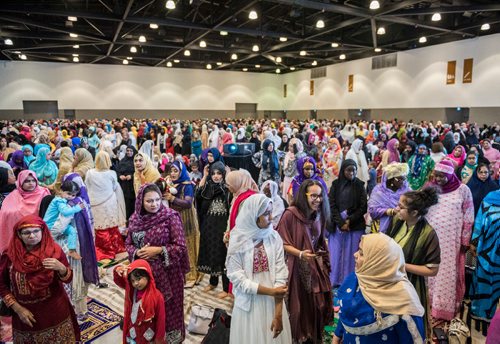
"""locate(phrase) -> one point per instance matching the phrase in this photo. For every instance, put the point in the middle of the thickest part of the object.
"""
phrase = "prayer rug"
(101, 319)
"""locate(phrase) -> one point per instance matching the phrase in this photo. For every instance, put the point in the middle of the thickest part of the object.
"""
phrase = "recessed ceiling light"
(253, 15)
(292, 68)
(314, 63)
(153, 26)
(381, 31)
(377, 50)
(485, 27)
(223, 33)
(125, 62)
(129, 58)
(257, 66)
(422, 39)
(75, 55)
(436, 17)
(203, 44)
(73, 35)
(142, 39)
(17, 52)
(234, 57)
(342, 57)
(219, 63)
(278, 70)
(279, 59)
(335, 45)
(302, 53)
(177, 61)
(8, 41)
(255, 48)
(76, 59)
(209, 66)
(76, 46)
(169, 64)
(283, 39)
(23, 57)
(187, 53)
(73, 19)
(170, 4)
(133, 49)
(245, 69)
(374, 5)
(320, 24)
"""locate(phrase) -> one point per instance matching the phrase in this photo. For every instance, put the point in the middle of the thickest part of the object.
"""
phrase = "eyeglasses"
(314, 197)
(28, 233)
(483, 172)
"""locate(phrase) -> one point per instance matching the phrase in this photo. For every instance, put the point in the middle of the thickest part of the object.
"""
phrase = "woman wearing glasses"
(481, 184)
(302, 228)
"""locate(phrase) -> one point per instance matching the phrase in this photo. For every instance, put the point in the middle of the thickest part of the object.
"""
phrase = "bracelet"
(300, 254)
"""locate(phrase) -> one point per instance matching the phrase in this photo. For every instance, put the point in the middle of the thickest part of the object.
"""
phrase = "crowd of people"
(389, 224)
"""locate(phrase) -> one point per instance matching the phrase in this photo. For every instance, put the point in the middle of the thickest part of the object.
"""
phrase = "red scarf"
(30, 262)
(236, 207)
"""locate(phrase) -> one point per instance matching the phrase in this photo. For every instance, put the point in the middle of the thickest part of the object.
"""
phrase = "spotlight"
(203, 44)
(73, 35)
(8, 41)
(234, 57)
(279, 59)
(314, 63)
(76, 59)
(374, 5)
(320, 24)
(153, 26)
(187, 53)
(253, 15)
(436, 17)
(278, 70)
(377, 50)
(73, 19)
(381, 31)
(133, 49)
(422, 39)
(335, 45)
(169, 64)
(342, 57)
(142, 39)
(209, 66)
(485, 27)
(170, 5)
(283, 39)
(255, 48)
(125, 62)
(302, 53)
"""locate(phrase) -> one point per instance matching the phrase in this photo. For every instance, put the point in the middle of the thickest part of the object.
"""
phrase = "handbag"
(200, 318)
(219, 328)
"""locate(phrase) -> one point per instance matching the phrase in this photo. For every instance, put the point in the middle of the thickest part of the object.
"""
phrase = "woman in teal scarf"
(28, 154)
(45, 169)
(469, 168)
(421, 165)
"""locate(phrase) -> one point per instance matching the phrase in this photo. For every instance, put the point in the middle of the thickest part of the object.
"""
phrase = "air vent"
(385, 61)
(318, 72)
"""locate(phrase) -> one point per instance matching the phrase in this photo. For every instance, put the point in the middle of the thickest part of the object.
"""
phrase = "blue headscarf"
(28, 159)
(39, 146)
(46, 170)
(183, 175)
(217, 156)
(419, 159)
(270, 158)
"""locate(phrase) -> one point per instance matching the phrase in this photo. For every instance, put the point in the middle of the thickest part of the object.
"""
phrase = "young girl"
(59, 215)
(144, 314)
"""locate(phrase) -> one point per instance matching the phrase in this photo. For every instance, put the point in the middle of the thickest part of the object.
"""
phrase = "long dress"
(309, 291)
(359, 325)
(452, 219)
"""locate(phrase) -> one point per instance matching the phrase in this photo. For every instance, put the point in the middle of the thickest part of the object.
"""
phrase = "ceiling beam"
(374, 32)
(326, 7)
(120, 25)
(447, 9)
(417, 23)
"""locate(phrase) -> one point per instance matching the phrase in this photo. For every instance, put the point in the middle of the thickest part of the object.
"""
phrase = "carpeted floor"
(101, 319)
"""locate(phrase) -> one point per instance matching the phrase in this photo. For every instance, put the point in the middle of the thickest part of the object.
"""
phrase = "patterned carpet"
(101, 319)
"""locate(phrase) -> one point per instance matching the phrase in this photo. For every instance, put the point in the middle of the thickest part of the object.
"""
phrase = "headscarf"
(241, 181)
(460, 160)
(393, 152)
(30, 263)
(4, 178)
(270, 158)
(211, 188)
(300, 178)
(446, 167)
(480, 189)
(17, 160)
(418, 161)
(40, 146)
(30, 158)
(102, 161)
(147, 148)
(83, 162)
(65, 165)
(150, 173)
(468, 170)
(278, 205)
(382, 277)
(183, 174)
(126, 164)
(46, 170)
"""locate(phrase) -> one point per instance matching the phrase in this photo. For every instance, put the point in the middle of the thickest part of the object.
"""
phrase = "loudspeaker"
(239, 148)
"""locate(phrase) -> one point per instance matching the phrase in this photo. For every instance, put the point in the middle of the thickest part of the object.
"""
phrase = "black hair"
(157, 187)
(422, 200)
(70, 186)
(138, 274)
(295, 149)
(64, 143)
(300, 201)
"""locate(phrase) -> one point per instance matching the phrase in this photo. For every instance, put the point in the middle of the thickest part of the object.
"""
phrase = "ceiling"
(108, 29)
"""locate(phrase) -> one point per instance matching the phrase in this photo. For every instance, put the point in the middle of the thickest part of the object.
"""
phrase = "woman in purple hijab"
(306, 167)
(17, 162)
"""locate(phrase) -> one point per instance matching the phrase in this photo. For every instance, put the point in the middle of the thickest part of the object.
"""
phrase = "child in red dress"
(144, 314)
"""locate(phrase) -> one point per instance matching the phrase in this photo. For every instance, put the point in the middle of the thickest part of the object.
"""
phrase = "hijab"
(102, 161)
(241, 181)
(480, 189)
(126, 164)
(278, 205)
(300, 178)
(382, 277)
(5, 187)
(418, 161)
(393, 152)
(447, 167)
(211, 188)
(17, 160)
(149, 173)
(82, 162)
(30, 158)
(183, 174)
(270, 158)
(460, 160)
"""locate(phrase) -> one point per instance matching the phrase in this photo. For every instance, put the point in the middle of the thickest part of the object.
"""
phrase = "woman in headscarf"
(452, 219)
(458, 155)
(28, 154)
(155, 234)
(485, 289)
(147, 148)
(409, 151)
(7, 182)
(310, 145)
(108, 208)
(5, 150)
(125, 170)
(332, 160)
(379, 304)
(306, 168)
(24, 200)
(467, 170)
(33, 271)
(490, 152)
(383, 202)
(204, 136)
(183, 202)
(391, 154)
(294, 153)
(302, 228)
(82, 162)
(213, 138)
(255, 140)
(481, 184)
(145, 172)
(256, 266)
(17, 162)
(93, 139)
(419, 242)
(241, 135)
(421, 166)
(357, 154)
(212, 205)
(270, 189)
(186, 141)
(268, 162)
(196, 144)
(65, 165)
(348, 204)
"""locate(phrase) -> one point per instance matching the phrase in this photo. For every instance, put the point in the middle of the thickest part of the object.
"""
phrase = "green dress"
(419, 170)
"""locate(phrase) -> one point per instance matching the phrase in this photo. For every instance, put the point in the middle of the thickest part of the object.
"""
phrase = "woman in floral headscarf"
(332, 160)
(421, 166)
(307, 170)
(295, 152)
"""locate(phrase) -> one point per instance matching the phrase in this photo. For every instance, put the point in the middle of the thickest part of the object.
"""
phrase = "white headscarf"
(148, 149)
(278, 205)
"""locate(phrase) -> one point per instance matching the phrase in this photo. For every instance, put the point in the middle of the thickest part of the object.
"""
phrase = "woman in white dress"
(256, 266)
